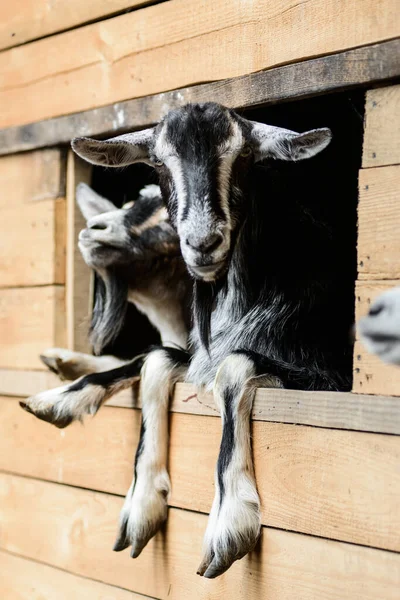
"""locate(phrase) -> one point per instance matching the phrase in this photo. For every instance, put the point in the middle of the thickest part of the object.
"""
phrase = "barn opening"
(342, 112)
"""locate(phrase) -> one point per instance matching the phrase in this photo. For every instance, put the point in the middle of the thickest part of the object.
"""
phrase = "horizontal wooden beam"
(338, 410)
(21, 578)
(26, 20)
(175, 44)
(31, 177)
(33, 242)
(74, 530)
(342, 485)
(367, 65)
(31, 320)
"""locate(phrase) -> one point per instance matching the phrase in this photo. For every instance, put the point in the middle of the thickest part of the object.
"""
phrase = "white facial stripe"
(158, 217)
(174, 164)
(166, 153)
(163, 149)
(231, 150)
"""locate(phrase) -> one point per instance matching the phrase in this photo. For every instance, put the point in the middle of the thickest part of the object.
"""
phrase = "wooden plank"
(382, 127)
(339, 410)
(367, 291)
(74, 530)
(32, 19)
(370, 374)
(23, 579)
(16, 382)
(31, 177)
(322, 482)
(31, 320)
(32, 244)
(152, 50)
(79, 289)
(366, 65)
(379, 223)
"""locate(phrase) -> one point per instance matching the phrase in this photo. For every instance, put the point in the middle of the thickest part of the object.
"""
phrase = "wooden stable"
(327, 464)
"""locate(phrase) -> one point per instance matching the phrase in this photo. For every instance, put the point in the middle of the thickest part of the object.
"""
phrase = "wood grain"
(365, 65)
(382, 127)
(31, 320)
(372, 376)
(31, 177)
(339, 410)
(368, 291)
(23, 579)
(175, 44)
(379, 223)
(79, 288)
(74, 530)
(336, 484)
(32, 244)
(26, 20)
(26, 382)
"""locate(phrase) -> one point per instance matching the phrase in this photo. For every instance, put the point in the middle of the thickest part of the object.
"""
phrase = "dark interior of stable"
(343, 113)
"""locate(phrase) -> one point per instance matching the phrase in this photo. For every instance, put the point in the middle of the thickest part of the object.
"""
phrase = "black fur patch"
(111, 304)
(109, 378)
(227, 441)
(204, 295)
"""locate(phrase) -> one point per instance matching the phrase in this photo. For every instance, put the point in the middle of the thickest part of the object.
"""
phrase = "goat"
(380, 329)
(270, 307)
(136, 254)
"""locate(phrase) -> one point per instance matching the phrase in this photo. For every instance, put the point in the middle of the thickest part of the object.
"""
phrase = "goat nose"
(208, 244)
(97, 224)
(376, 309)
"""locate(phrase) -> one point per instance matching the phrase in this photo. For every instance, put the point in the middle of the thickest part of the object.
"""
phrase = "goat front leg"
(70, 365)
(235, 522)
(146, 504)
(62, 405)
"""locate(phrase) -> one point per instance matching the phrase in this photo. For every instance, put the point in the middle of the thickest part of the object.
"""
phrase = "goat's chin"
(208, 273)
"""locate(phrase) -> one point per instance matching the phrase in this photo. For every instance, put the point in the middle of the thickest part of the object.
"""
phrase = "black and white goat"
(272, 301)
(136, 254)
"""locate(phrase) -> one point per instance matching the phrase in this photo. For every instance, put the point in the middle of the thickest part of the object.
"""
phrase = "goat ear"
(274, 142)
(119, 151)
(90, 203)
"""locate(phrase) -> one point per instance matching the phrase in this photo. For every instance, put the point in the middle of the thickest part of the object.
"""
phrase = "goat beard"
(109, 311)
(204, 296)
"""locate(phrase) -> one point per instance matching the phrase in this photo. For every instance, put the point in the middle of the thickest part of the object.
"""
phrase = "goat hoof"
(205, 564)
(62, 362)
(53, 406)
(122, 542)
(60, 421)
(144, 512)
(233, 529)
(216, 568)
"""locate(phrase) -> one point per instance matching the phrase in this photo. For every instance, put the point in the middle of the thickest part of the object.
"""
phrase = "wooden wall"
(32, 248)
(378, 228)
(173, 44)
(327, 464)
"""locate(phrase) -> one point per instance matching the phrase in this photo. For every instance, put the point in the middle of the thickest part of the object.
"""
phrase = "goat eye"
(246, 151)
(158, 163)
